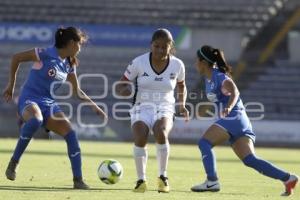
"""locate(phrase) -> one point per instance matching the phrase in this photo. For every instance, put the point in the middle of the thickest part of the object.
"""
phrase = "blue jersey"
(213, 89)
(47, 74)
(236, 123)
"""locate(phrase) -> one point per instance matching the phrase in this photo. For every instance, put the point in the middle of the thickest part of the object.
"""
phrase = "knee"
(204, 144)
(161, 130)
(249, 160)
(161, 135)
(36, 122)
(32, 125)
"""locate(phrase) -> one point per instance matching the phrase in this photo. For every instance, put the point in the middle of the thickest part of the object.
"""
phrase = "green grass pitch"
(45, 174)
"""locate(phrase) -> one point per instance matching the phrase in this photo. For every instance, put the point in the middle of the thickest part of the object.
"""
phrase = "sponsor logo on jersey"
(172, 76)
(158, 79)
(145, 74)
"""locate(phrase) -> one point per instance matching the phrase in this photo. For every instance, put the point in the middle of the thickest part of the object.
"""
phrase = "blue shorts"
(237, 124)
(47, 109)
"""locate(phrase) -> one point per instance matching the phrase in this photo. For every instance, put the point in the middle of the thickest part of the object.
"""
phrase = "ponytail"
(221, 62)
(214, 56)
(73, 61)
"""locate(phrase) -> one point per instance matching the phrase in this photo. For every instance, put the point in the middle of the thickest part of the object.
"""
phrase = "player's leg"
(214, 135)
(244, 149)
(161, 130)
(60, 125)
(140, 133)
(33, 119)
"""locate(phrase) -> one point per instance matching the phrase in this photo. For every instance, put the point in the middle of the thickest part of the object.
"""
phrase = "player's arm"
(229, 88)
(72, 78)
(17, 59)
(123, 87)
(182, 94)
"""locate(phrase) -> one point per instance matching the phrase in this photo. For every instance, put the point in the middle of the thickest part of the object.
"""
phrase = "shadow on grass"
(68, 189)
(129, 156)
(55, 189)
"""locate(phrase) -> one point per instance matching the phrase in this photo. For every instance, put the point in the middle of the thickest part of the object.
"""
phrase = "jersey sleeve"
(131, 71)
(221, 77)
(40, 53)
(181, 74)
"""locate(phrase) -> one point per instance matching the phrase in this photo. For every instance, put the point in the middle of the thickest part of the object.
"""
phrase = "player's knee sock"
(162, 154)
(140, 157)
(27, 131)
(208, 159)
(265, 168)
(74, 153)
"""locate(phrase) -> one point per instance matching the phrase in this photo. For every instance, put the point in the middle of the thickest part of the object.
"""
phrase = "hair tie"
(205, 57)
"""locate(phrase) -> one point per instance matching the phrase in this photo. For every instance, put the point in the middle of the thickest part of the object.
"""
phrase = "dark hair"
(64, 35)
(165, 34)
(214, 56)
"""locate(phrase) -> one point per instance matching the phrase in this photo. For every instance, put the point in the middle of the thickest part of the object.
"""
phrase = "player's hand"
(185, 113)
(225, 112)
(100, 112)
(8, 93)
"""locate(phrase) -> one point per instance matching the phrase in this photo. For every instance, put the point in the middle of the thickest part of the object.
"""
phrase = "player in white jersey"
(157, 73)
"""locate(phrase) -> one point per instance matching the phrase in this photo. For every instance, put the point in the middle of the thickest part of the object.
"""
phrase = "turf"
(44, 173)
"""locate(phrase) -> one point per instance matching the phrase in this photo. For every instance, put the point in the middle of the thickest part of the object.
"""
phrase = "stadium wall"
(294, 44)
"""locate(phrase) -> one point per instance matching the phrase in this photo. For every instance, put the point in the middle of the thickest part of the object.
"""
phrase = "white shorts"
(149, 114)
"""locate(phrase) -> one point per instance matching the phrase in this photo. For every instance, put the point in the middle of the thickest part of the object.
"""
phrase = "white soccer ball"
(110, 171)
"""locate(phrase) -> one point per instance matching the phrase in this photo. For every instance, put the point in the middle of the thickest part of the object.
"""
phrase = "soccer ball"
(110, 171)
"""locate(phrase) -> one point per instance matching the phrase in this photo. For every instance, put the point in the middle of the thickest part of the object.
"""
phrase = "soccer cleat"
(290, 185)
(11, 170)
(141, 186)
(207, 186)
(163, 184)
(80, 184)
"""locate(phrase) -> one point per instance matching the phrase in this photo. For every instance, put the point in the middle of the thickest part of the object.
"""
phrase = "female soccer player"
(233, 125)
(37, 107)
(157, 73)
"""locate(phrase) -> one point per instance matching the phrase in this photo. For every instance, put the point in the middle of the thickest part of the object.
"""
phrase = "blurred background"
(260, 38)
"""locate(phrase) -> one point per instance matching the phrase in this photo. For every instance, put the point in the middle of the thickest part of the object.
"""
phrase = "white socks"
(140, 157)
(162, 154)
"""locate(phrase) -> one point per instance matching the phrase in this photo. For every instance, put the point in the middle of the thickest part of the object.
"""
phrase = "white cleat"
(207, 186)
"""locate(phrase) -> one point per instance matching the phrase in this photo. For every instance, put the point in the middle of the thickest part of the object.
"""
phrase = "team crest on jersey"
(172, 76)
(51, 72)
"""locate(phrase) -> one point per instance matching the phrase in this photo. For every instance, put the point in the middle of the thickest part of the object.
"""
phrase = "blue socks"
(262, 166)
(27, 131)
(74, 153)
(208, 159)
(265, 168)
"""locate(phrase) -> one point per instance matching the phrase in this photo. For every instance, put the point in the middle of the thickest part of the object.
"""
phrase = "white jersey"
(152, 87)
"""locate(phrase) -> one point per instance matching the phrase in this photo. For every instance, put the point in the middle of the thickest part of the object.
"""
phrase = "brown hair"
(165, 34)
(214, 56)
(64, 35)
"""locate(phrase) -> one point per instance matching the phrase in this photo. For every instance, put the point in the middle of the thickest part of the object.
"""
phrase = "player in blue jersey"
(37, 107)
(233, 124)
